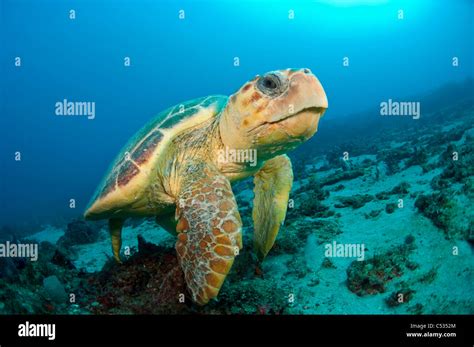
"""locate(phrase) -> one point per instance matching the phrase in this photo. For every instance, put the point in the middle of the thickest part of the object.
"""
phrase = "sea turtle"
(180, 167)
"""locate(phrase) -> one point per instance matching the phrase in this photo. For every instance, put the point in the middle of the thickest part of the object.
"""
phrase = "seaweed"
(355, 201)
(328, 264)
(148, 282)
(409, 239)
(429, 276)
(390, 208)
(257, 296)
(418, 157)
(369, 277)
(382, 196)
(341, 175)
(436, 207)
(326, 230)
(290, 241)
(314, 281)
(439, 183)
(372, 214)
(393, 158)
(445, 213)
(440, 138)
(400, 189)
(293, 239)
(297, 266)
(400, 297)
(310, 204)
(460, 170)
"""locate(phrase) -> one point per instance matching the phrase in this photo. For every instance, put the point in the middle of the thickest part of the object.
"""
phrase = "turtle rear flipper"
(115, 229)
(209, 230)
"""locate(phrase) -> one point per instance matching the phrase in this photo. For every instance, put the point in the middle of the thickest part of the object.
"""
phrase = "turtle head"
(274, 113)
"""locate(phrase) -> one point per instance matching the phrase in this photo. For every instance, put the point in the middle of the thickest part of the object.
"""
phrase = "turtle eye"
(270, 84)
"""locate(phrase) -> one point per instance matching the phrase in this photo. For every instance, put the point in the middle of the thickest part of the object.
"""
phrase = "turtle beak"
(305, 93)
(296, 124)
(310, 90)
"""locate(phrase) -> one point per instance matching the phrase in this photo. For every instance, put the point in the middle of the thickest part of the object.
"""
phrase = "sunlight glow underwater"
(347, 3)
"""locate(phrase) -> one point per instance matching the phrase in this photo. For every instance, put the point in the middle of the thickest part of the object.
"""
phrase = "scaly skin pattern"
(271, 114)
(209, 230)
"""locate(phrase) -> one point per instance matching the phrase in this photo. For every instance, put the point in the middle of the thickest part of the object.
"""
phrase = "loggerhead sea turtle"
(174, 169)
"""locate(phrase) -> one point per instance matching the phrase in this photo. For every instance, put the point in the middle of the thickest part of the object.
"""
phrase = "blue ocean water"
(173, 60)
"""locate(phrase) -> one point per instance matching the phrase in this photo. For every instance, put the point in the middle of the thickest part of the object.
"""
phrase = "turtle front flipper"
(272, 189)
(209, 229)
